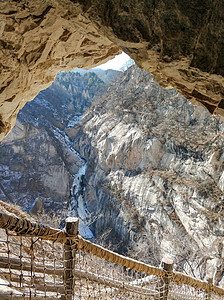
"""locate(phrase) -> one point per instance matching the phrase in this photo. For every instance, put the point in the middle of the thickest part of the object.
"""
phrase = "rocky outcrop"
(155, 173)
(37, 160)
(180, 43)
(32, 167)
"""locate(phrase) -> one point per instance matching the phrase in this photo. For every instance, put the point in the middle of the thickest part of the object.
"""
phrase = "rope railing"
(113, 257)
(39, 261)
(26, 228)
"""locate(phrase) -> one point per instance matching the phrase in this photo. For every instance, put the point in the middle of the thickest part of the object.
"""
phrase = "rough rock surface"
(39, 39)
(179, 42)
(37, 160)
(155, 172)
(32, 166)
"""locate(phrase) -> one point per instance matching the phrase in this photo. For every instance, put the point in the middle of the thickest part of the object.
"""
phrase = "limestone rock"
(32, 166)
(179, 42)
(37, 207)
(155, 173)
(37, 160)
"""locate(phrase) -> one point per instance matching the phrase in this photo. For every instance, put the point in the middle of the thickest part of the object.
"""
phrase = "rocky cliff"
(155, 175)
(37, 159)
(180, 43)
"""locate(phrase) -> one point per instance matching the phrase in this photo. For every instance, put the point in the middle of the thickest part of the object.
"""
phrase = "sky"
(116, 63)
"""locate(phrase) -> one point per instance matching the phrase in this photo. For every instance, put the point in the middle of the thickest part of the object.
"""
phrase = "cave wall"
(179, 42)
(40, 39)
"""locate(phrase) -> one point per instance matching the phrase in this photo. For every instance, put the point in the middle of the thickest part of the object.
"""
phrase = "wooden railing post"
(71, 228)
(167, 265)
(210, 282)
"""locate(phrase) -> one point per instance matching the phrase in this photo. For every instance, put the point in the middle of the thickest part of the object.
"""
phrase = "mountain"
(143, 169)
(105, 75)
(155, 175)
(37, 159)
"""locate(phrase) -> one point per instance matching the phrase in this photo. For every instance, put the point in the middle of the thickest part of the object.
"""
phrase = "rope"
(115, 258)
(25, 228)
(176, 277)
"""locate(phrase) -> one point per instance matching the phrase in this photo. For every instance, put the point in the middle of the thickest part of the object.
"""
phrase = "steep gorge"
(37, 158)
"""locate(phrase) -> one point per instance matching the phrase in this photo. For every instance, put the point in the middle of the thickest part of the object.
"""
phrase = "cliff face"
(180, 43)
(155, 174)
(37, 159)
(31, 166)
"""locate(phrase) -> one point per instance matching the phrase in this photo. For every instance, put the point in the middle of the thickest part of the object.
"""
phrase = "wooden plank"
(18, 297)
(79, 275)
(106, 281)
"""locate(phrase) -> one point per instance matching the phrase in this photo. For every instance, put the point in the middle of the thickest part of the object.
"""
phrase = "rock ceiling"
(179, 42)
